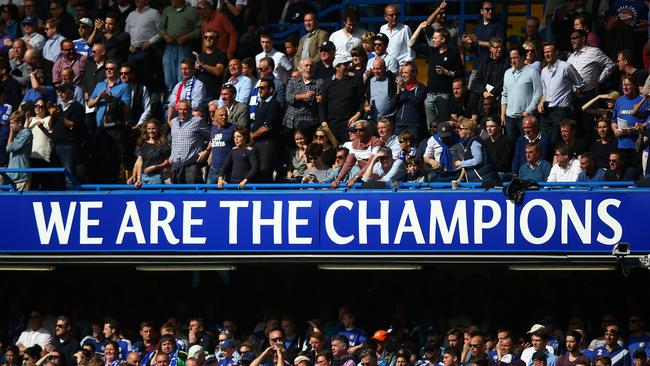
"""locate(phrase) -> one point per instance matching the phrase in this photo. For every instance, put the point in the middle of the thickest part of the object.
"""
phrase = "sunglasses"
(39, 105)
(209, 37)
(488, 9)
(360, 130)
(340, 157)
(263, 87)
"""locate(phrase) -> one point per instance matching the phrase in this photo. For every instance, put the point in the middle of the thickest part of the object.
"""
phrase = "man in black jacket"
(408, 103)
(444, 66)
(489, 75)
(266, 129)
(64, 343)
(340, 103)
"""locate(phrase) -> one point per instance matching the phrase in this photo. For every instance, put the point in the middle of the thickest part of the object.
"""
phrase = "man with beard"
(573, 356)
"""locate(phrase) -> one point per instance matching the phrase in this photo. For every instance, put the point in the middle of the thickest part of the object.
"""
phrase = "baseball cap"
(327, 46)
(195, 351)
(444, 129)
(247, 357)
(85, 21)
(380, 335)
(381, 37)
(65, 86)
(536, 328)
(539, 355)
(29, 20)
(338, 60)
(299, 359)
(227, 343)
(506, 359)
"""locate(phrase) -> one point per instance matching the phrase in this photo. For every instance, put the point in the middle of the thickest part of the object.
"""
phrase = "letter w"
(55, 222)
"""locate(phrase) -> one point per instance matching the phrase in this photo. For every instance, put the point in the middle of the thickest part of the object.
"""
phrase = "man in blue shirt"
(619, 355)
(112, 98)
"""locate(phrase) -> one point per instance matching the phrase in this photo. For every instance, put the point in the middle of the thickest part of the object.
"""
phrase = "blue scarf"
(445, 157)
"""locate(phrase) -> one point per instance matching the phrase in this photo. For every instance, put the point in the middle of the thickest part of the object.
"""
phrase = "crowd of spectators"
(278, 341)
(196, 91)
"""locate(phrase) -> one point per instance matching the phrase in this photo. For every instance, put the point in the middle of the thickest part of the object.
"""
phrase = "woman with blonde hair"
(324, 137)
(475, 162)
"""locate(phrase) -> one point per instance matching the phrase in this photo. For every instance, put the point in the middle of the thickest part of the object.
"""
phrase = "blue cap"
(29, 20)
(227, 343)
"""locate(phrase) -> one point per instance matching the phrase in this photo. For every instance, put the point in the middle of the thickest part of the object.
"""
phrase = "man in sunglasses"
(210, 64)
(69, 58)
(215, 19)
(380, 45)
(397, 35)
(479, 40)
(64, 343)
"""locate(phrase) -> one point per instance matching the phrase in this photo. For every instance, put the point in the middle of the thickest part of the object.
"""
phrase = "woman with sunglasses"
(531, 56)
(326, 139)
(41, 156)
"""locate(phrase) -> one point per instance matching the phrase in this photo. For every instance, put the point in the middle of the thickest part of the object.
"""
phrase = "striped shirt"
(592, 64)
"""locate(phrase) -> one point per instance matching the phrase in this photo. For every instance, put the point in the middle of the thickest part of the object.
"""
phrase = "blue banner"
(324, 221)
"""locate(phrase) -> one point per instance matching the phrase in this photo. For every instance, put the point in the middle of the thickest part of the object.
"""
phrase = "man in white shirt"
(349, 36)
(595, 68)
(398, 36)
(36, 334)
(565, 167)
(283, 66)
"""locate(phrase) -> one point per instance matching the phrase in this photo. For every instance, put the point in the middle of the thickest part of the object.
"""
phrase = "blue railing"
(76, 186)
(283, 30)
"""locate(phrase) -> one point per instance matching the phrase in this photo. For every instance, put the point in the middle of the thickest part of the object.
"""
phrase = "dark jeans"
(265, 156)
(143, 61)
(585, 121)
(513, 127)
(190, 174)
(67, 155)
(550, 123)
(108, 150)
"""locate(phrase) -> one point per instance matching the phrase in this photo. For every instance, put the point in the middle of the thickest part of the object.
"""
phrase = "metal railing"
(283, 30)
(76, 186)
